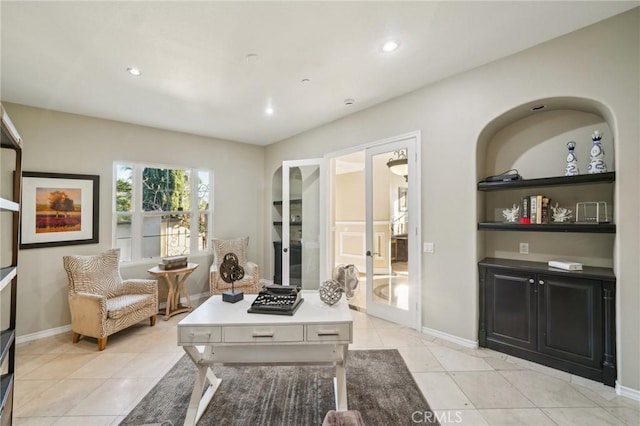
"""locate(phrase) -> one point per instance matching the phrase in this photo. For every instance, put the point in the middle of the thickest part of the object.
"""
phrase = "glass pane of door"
(390, 288)
(301, 223)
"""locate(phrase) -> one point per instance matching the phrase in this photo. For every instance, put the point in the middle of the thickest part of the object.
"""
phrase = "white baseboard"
(627, 392)
(473, 344)
(65, 328)
(42, 334)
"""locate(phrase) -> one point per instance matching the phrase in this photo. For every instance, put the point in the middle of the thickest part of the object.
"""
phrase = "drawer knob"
(531, 280)
(541, 282)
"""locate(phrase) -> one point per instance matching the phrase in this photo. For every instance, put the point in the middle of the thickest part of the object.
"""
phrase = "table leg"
(205, 377)
(170, 296)
(341, 380)
(181, 288)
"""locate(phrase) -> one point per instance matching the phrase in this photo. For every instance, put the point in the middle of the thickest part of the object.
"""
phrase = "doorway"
(373, 198)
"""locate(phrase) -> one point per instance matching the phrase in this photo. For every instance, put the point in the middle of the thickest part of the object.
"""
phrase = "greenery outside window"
(161, 211)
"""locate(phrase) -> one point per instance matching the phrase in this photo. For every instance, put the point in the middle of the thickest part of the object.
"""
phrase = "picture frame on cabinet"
(59, 209)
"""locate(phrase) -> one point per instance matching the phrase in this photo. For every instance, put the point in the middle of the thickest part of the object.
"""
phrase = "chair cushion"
(95, 274)
(237, 246)
(121, 306)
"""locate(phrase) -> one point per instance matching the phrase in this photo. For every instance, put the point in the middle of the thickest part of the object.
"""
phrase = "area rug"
(379, 385)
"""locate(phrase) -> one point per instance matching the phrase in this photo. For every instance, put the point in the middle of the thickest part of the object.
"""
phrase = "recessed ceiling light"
(349, 101)
(252, 58)
(305, 81)
(269, 111)
(134, 71)
(390, 46)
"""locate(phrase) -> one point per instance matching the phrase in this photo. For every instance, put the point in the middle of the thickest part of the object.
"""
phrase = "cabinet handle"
(267, 334)
(204, 333)
(530, 280)
(328, 333)
(541, 282)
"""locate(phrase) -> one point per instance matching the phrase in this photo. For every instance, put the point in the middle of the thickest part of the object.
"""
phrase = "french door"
(303, 223)
(393, 249)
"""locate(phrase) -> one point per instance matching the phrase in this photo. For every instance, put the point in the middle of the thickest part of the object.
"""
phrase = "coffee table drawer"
(263, 334)
(328, 333)
(189, 335)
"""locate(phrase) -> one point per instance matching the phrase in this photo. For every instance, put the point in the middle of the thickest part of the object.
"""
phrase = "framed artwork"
(402, 199)
(59, 209)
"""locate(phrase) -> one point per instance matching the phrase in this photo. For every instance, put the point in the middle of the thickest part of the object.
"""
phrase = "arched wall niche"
(533, 141)
(536, 140)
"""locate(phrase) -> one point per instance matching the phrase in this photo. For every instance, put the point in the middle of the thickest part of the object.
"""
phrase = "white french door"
(393, 251)
(303, 222)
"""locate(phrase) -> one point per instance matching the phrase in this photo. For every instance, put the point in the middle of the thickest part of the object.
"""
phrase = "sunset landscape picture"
(58, 210)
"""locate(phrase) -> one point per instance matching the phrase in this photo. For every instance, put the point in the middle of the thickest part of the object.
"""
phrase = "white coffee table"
(224, 333)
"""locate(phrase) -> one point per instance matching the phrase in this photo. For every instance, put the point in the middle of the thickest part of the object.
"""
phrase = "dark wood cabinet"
(562, 319)
(295, 263)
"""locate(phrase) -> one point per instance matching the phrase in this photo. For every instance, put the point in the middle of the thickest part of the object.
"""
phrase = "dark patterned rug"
(379, 385)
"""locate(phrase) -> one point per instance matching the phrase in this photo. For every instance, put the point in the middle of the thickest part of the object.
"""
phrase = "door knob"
(531, 280)
(285, 249)
(540, 282)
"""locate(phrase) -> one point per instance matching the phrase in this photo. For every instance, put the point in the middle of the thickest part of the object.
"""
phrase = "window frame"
(138, 214)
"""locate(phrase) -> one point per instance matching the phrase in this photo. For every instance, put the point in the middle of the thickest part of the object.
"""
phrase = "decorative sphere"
(330, 291)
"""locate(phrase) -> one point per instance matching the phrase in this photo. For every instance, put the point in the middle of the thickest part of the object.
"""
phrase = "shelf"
(6, 275)
(551, 181)
(6, 384)
(6, 339)
(594, 272)
(9, 137)
(296, 201)
(596, 228)
(9, 205)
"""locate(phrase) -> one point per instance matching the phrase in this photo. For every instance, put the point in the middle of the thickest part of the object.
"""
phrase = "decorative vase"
(597, 165)
(330, 291)
(572, 161)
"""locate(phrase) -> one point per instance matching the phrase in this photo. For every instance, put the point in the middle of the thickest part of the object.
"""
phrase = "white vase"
(572, 161)
(597, 164)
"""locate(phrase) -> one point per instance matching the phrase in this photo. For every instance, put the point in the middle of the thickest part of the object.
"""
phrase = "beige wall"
(601, 63)
(67, 143)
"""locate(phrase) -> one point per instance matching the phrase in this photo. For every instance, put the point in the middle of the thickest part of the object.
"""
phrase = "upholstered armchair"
(101, 302)
(251, 281)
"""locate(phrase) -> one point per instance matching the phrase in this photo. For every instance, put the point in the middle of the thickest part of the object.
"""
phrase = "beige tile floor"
(60, 383)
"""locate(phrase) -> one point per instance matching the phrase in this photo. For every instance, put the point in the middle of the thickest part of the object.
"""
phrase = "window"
(157, 210)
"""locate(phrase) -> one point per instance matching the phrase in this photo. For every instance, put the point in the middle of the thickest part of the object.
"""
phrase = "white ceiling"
(72, 56)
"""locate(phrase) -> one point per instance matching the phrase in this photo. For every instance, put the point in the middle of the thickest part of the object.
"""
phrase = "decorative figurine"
(230, 272)
(511, 215)
(597, 165)
(572, 161)
(561, 214)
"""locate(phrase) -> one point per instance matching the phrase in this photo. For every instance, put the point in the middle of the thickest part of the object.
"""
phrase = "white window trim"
(137, 214)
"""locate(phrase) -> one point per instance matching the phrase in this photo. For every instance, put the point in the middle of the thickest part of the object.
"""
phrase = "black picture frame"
(59, 209)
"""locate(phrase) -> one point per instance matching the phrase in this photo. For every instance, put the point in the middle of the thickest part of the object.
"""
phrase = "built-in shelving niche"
(534, 143)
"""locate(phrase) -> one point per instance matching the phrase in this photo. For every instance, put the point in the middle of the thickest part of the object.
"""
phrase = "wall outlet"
(428, 247)
(524, 248)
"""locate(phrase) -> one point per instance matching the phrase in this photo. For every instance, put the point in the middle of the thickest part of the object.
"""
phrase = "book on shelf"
(544, 218)
(533, 208)
(525, 217)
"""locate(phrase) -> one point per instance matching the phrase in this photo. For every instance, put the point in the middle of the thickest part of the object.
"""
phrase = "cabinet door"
(570, 325)
(510, 308)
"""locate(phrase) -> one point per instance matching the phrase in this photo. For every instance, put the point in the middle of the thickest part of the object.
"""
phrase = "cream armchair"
(251, 281)
(101, 302)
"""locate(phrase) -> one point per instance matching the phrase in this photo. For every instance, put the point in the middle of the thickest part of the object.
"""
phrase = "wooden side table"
(175, 279)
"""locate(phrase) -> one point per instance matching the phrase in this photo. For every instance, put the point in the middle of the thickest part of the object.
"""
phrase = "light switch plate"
(428, 247)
